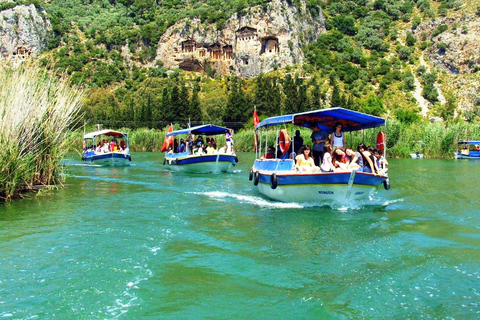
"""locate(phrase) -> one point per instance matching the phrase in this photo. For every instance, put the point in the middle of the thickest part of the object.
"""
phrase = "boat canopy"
(207, 129)
(326, 119)
(469, 142)
(106, 132)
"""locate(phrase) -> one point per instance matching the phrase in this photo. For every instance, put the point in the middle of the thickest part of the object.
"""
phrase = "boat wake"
(265, 203)
(222, 196)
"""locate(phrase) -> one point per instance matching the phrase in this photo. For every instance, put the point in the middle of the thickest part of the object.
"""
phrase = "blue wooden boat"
(278, 179)
(186, 161)
(106, 148)
(469, 150)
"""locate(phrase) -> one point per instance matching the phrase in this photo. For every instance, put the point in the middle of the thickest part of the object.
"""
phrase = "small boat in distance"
(418, 154)
(106, 148)
(277, 177)
(189, 155)
(469, 150)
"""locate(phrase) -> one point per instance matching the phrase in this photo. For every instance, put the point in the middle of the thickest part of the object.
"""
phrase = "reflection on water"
(142, 242)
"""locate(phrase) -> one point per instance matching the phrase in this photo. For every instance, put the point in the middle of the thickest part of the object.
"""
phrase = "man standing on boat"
(319, 137)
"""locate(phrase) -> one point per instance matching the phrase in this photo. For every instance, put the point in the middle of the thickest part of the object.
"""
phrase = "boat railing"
(274, 164)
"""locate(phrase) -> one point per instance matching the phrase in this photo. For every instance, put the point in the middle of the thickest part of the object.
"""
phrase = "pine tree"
(194, 107)
(290, 92)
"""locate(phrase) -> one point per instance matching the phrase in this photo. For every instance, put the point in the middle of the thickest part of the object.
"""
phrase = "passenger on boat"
(270, 154)
(465, 151)
(229, 140)
(181, 148)
(98, 149)
(210, 148)
(327, 165)
(304, 162)
(368, 162)
(222, 149)
(382, 163)
(199, 149)
(338, 138)
(297, 141)
(105, 147)
(319, 137)
(189, 144)
(122, 144)
(340, 160)
(356, 162)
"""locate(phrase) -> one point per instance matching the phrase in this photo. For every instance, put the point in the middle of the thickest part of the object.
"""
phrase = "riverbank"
(36, 112)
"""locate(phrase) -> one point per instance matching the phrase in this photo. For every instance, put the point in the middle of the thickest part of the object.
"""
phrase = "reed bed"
(36, 112)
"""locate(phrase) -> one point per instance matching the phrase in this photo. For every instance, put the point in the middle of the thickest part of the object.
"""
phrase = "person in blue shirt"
(181, 147)
(319, 137)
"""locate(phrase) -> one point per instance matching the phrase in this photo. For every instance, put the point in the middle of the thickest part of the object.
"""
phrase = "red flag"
(168, 140)
(255, 118)
(255, 123)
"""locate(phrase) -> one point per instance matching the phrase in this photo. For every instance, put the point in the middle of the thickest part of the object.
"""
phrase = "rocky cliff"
(457, 49)
(23, 31)
(256, 41)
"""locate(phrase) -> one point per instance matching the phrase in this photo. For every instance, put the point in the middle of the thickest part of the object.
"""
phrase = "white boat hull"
(316, 193)
(111, 159)
(201, 164)
(416, 155)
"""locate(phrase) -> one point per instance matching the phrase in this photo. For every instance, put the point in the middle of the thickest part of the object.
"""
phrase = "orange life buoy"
(477, 147)
(284, 141)
(381, 141)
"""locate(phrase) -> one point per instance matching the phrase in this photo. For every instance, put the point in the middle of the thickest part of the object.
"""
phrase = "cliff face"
(23, 31)
(253, 42)
(456, 50)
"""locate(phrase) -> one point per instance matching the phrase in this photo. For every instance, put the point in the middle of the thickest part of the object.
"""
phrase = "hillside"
(149, 62)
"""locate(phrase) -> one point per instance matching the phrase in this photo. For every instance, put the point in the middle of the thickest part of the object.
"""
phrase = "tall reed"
(36, 111)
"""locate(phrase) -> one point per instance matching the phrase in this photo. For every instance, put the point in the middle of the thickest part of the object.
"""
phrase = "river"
(142, 243)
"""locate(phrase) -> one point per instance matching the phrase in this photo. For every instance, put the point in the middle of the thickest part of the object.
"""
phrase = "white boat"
(470, 150)
(106, 148)
(416, 155)
(278, 179)
(186, 161)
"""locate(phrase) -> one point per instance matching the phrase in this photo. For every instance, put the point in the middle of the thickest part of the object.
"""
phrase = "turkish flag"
(168, 140)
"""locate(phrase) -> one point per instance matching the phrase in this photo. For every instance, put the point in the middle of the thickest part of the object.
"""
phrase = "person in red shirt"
(270, 154)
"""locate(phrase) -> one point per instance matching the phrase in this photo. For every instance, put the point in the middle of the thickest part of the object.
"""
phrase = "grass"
(37, 110)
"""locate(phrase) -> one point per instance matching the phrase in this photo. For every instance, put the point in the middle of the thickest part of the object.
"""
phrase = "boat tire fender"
(250, 176)
(164, 161)
(386, 184)
(129, 158)
(273, 181)
(91, 159)
(236, 159)
(256, 177)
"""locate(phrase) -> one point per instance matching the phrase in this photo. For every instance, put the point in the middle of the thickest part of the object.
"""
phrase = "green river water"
(142, 243)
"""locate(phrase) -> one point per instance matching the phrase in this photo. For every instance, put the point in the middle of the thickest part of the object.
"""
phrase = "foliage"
(36, 112)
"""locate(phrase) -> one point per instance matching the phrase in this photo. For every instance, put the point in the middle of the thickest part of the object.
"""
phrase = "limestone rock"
(23, 31)
(254, 42)
(456, 50)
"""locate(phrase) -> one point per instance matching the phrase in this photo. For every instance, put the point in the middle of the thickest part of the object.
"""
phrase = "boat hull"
(339, 187)
(111, 159)
(474, 155)
(201, 164)
(416, 155)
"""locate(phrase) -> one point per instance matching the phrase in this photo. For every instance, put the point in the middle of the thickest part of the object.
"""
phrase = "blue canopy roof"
(468, 142)
(326, 119)
(207, 129)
